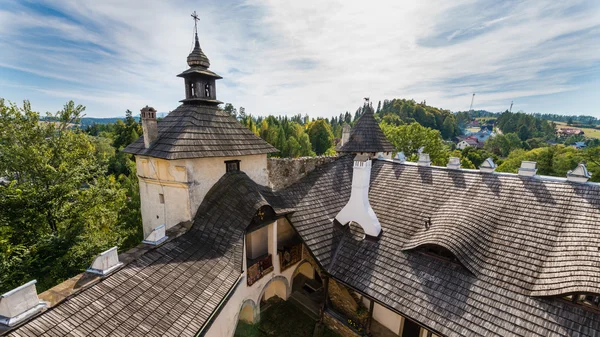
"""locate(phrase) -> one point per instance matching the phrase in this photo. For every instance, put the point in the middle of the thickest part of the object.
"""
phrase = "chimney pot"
(580, 174)
(105, 262)
(149, 125)
(400, 157)
(453, 163)
(488, 166)
(528, 168)
(157, 236)
(19, 304)
(424, 159)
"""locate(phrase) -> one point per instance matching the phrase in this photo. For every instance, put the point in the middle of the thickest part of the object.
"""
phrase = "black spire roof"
(366, 135)
(197, 56)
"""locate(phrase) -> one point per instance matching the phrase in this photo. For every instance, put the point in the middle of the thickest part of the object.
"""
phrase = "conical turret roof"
(197, 56)
(366, 136)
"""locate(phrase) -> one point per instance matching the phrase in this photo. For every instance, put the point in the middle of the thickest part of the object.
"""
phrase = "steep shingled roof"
(173, 289)
(366, 136)
(198, 131)
(519, 238)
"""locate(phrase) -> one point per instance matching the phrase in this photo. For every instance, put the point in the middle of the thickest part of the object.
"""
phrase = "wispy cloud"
(315, 57)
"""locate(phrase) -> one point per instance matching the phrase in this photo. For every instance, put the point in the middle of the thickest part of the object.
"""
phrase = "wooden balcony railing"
(259, 268)
(289, 256)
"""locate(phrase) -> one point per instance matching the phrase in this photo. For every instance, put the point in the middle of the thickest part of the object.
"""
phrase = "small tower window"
(232, 166)
(207, 90)
(193, 89)
(161, 198)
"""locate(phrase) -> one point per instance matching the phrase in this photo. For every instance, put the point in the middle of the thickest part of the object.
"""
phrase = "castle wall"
(285, 171)
(274, 283)
(183, 184)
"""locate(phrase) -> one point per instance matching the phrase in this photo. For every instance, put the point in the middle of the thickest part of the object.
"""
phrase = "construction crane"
(511, 103)
(472, 99)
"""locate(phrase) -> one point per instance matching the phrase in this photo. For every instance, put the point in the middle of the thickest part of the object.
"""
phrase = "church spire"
(197, 56)
(200, 86)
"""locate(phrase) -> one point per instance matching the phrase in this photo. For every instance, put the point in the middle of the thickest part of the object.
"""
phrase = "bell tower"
(200, 83)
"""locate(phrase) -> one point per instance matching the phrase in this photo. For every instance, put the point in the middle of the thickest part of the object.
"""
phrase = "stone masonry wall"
(285, 171)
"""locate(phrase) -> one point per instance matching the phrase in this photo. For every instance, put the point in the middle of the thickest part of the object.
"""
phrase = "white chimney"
(345, 134)
(149, 125)
(105, 263)
(453, 163)
(488, 166)
(579, 175)
(157, 236)
(400, 157)
(19, 304)
(528, 168)
(358, 208)
(424, 159)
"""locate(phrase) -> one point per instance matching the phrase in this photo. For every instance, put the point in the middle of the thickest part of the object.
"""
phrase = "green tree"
(59, 208)
(448, 127)
(410, 137)
(523, 133)
(321, 136)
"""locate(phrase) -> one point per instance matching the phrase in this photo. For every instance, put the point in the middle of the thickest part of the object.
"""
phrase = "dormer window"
(439, 252)
(232, 166)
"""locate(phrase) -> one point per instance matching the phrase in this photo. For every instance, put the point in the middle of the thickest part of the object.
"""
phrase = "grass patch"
(281, 319)
(589, 132)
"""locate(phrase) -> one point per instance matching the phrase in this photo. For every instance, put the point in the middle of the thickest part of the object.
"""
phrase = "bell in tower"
(200, 82)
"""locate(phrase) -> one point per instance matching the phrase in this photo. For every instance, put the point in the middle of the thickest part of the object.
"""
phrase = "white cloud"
(313, 56)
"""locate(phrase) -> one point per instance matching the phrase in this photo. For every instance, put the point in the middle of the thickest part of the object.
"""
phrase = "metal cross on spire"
(196, 19)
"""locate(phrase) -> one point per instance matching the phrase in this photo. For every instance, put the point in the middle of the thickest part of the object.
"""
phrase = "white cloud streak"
(313, 56)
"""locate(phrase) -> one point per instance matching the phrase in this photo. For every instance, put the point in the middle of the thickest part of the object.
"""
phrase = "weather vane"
(196, 19)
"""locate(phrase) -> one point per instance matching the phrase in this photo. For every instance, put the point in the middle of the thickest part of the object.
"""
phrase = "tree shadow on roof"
(458, 178)
(539, 190)
(426, 175)
(492, 182)
(590, 193)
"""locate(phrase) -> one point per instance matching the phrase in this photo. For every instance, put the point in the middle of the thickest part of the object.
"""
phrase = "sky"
(316, 57)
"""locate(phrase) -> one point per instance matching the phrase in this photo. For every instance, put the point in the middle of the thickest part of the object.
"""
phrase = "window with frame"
(232, 166)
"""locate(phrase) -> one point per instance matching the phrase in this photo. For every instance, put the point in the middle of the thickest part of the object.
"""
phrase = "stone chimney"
(453, 163)
(149, 125)
(19, 304)
(488, 166)
(105, 262)
(580, 174)
(345, 134)
(528, 168)
(358, 209)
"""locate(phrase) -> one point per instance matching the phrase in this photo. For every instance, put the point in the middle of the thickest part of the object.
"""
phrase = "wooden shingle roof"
(520, 240)
(366, 136)
(198, 131)
(173, 289)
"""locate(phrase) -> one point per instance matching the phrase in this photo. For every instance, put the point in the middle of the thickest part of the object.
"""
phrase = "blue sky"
(312, 56)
